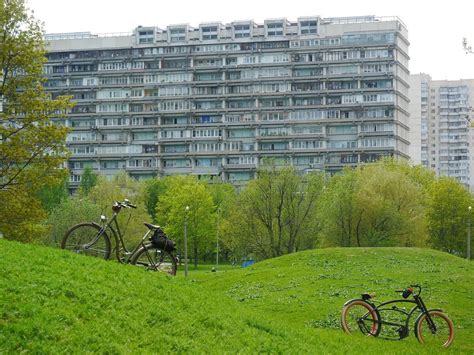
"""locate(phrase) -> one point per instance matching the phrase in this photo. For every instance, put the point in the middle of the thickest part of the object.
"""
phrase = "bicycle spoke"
(154, 259)
(87, 239)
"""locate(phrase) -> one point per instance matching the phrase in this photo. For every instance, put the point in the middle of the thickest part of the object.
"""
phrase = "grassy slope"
(309, 288)
(52, 301)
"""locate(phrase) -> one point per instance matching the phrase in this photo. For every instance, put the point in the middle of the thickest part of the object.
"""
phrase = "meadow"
(52, 301)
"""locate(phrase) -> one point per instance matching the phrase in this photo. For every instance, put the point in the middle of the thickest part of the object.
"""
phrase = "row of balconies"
(184, 111)
(217, 162)
(220, 95)
(222, 80)
(286, 150)
(223, 67)
(262, 136)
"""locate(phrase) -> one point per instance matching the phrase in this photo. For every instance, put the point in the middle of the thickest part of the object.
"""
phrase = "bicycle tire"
(444, 328)
(79, 238)
(155, 259)
(355, 310)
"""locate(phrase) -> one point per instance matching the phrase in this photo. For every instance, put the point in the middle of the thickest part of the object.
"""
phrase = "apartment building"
(218, 100)
(442, 111)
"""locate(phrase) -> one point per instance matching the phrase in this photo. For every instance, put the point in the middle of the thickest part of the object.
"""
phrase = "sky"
(435, 28)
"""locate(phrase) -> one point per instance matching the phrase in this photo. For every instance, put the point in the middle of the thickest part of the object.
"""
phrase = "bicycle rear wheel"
(152, 258)
(87, 239)
(358, 315)
(443, 332)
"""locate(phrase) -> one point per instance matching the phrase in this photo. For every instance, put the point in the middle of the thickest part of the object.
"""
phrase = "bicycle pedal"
(402, 332)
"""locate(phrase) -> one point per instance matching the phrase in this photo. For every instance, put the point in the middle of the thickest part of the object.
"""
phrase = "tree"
(375, 205)
(447, 215)
(188, 191)
(339, 211)
(32, 148)
(152, 190)
(394, 208)
(274, 214)
(88, 181)
(54, 194)
(223, 196)
(69, 212)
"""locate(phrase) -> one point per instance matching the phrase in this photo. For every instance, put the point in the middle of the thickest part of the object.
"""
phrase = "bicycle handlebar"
(409, 290)
(126, 204)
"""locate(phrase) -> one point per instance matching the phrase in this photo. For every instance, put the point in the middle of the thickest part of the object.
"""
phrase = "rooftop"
(322, 21)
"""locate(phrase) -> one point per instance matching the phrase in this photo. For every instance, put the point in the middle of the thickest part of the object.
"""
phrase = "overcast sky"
(435, 28)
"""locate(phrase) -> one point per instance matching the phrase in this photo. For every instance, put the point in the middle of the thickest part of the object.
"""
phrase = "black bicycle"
(391, 320)
(154, 251)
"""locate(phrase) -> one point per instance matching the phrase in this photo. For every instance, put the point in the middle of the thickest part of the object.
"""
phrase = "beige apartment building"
(219, 99)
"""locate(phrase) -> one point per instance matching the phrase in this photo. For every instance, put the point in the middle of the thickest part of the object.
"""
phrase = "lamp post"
(468, 252)
(217, 237)
(186, 210)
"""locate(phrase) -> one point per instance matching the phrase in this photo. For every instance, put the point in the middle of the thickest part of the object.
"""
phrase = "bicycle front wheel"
(88, 239)
(439, 332)
(358, 315)
(152, 258)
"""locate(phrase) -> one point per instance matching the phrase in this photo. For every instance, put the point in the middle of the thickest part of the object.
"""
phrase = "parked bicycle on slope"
(431, 326)
(153, 252)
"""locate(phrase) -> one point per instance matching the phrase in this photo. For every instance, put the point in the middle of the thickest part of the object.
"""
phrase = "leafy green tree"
(31, 147)
(88, 181)
(152, 190)
(275, 214)
(54, 194)
(448, 215)
(339, 210)
(394, 208)
(188, 191)
(223, 195)
(374, 205)
(69, 212)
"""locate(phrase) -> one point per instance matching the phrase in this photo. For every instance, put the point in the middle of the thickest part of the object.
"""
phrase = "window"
(209, 32)
(177, 163)
(177, 34)
(241, 31)
(308, 27)
(207, 133)
(275, 29)
(306, 144)
(342, 129)
(107, 66)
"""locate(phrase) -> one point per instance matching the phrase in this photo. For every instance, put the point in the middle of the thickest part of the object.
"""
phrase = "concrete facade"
(444, 109)
(217, 100)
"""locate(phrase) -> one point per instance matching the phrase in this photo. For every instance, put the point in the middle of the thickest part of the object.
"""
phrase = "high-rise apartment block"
(217, 100)
(440, 113)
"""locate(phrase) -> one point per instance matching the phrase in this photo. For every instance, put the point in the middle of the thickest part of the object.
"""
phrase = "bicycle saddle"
(368, 296)
(151, 226)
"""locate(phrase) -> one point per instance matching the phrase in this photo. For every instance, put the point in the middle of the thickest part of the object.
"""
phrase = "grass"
(52, 301)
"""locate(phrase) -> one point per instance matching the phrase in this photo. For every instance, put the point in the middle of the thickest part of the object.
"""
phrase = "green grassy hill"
(54, 301)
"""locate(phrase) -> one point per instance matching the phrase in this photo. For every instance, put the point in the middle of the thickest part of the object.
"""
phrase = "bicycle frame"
(419, 305)
(118, 238)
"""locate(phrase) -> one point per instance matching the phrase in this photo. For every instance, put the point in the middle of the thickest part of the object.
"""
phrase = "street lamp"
(217, 237)
(468, 252)
(186, 210)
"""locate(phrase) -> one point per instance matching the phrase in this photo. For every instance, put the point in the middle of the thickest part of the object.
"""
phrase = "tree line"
(386, 203)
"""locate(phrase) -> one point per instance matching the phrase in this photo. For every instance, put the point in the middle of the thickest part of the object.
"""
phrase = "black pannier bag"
(161, 241)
